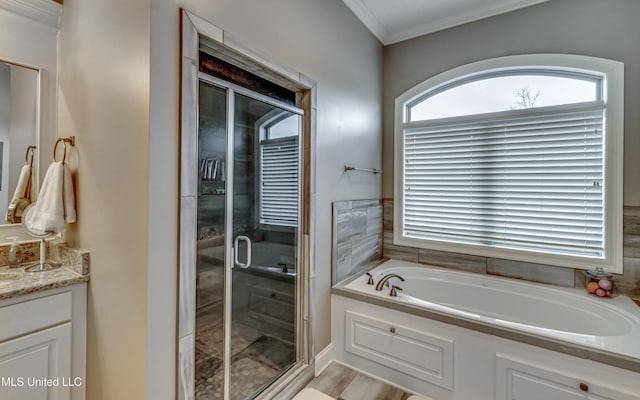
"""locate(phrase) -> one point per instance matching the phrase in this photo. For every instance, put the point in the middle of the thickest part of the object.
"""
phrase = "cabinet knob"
(392, 330)
(584, 387)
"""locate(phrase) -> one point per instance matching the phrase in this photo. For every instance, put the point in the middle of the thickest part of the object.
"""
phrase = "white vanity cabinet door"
(518, 380)
(27, 362)
(43, 335)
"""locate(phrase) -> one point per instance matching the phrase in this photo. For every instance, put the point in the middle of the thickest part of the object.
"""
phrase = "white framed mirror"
(28, 55)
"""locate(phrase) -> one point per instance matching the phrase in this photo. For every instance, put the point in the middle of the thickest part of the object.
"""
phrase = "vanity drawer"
(32, 315)
(415, 353)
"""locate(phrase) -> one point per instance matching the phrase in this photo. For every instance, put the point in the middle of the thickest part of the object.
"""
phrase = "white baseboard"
(324, 358)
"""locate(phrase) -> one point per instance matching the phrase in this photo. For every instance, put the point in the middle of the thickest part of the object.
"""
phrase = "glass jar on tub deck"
(600, 283)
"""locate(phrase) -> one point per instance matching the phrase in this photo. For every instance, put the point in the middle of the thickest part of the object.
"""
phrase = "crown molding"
(472, 15)
(368, 18)
(46, 12)
(377, 27)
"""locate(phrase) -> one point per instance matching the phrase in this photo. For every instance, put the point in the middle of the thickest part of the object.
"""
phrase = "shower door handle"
(235, 251)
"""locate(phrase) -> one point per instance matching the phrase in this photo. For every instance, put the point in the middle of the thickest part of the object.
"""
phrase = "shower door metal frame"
(230, 252)
(195, 29)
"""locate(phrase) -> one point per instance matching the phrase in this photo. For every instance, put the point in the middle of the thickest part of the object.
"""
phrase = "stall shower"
(247, 219)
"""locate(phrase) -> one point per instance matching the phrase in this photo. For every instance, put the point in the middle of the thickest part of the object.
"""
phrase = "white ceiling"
(397, 20)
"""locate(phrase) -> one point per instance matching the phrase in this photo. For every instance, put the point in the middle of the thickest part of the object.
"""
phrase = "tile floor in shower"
(260, 349)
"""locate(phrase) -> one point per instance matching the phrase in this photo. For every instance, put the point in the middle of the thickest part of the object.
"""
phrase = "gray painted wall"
(324, 41)
(607, 29)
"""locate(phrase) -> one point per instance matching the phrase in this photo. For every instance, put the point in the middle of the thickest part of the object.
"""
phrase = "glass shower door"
(248, 211)
(266, 176)
(211, 256)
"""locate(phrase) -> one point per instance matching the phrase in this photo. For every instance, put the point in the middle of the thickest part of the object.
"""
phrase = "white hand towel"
(68, 196)
(23, 180)
(56, 202)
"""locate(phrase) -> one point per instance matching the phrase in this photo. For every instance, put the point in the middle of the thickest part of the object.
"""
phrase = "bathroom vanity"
(42, 334)
(42, 314)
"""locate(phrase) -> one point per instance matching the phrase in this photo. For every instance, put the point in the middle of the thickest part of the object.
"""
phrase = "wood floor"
(343, 383)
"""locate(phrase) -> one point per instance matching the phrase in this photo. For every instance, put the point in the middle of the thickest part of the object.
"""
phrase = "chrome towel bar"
(373, 171)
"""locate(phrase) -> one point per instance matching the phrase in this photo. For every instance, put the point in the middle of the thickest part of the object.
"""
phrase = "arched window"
(517, 157)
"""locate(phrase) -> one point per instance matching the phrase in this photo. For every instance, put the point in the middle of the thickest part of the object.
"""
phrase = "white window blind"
(279, 181)
(530, 180)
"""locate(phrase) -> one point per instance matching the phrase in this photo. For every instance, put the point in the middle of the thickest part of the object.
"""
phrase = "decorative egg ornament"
(605, 284)
(599, 283)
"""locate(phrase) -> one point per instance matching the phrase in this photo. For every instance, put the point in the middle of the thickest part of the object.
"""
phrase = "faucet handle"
(394, 289)
(370, 280)
(285, 270)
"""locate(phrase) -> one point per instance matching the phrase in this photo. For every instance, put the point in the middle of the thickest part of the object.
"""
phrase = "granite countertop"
(16, 282)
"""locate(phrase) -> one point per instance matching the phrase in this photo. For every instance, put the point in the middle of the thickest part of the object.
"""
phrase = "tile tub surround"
(74, 269)
(627, 283)
(357, 236)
